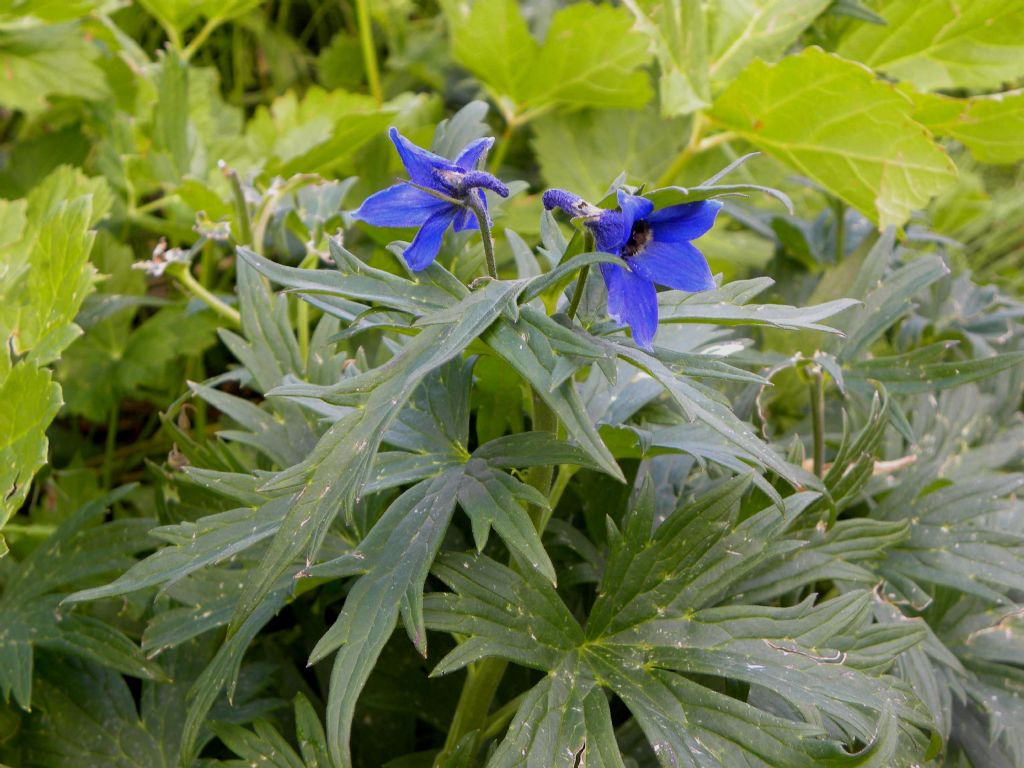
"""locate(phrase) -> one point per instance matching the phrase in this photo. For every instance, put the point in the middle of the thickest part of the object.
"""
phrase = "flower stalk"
(474, 204)
(183, 275)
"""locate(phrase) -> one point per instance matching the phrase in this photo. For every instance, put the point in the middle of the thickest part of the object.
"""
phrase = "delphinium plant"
(613, 602)
(358, 462)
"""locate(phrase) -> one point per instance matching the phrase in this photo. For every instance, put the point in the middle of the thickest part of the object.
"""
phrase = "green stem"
(153, 205)
(172, 35)
(694, 146)
(193, 286)
(696, 130)
(369, 51)
(273, 196)
(165, 227)
(110, 444)
(211, 24)
(502, 716)
(477, 208)
(43, 531)
(840, 214)
(302, 315)
(581, 281)
(544, 420)
(565, 473)
(482, 680)
(241, 207)
(817, 387)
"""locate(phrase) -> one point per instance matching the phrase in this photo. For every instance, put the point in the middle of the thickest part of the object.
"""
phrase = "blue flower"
(654, 248)
(407, 205)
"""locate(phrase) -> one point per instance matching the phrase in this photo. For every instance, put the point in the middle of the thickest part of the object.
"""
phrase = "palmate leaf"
(677, 30)
(530, 352)
(585, 152)
(208, 541)
(396, 555)
(181, 14)
(589, 57)
(739, 32)
(939, 45)
(45, 61)
(330, 479)
(340, 464)
(317, 133)
(954, 540)
(863, 145)
(648, 624)
(989, 126)
(698, 406)
(29, 401)
(354, 281)
(85, 715)
(268, 748)
(29, 615)
(46, 277)
(729, 306)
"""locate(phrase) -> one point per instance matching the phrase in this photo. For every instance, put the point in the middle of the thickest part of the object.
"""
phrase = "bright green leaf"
(942, 44)
(740, 31)
(862, 145)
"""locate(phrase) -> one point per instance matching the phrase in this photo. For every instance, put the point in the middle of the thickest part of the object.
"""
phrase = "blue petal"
(612, 274)
(681, 223)
(608, 232)
(677, 265)
(473, 153)
(465, 219)
(633, 208)
(424, 247)
(419, 163)
(398, 206)
(632, 300)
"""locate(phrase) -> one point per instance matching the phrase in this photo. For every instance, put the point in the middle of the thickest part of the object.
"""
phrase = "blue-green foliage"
(359, 462)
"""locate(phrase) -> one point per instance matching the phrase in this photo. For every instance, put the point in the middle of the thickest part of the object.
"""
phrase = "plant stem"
(477, 208)
(694, 146)
(172, 35)
(544, 420)
(482, 680)
(696, 131)
(193, 286)
(42, 531)
(241, 207)
(369, 51)
(581, 281)
(840, 214)
(211, 24)
(302, 315)
(502, 716)
(273, 196)
(817, 388)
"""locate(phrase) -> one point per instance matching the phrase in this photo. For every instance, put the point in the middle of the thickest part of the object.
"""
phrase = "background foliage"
(789, 536)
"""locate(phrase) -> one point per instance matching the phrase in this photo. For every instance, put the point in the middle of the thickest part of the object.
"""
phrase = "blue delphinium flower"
(407, 205)
(654, 248)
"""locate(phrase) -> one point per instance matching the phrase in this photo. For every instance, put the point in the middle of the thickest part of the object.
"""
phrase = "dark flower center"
(638, 239)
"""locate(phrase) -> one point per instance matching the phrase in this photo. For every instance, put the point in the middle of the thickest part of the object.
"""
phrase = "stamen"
(638, 239)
